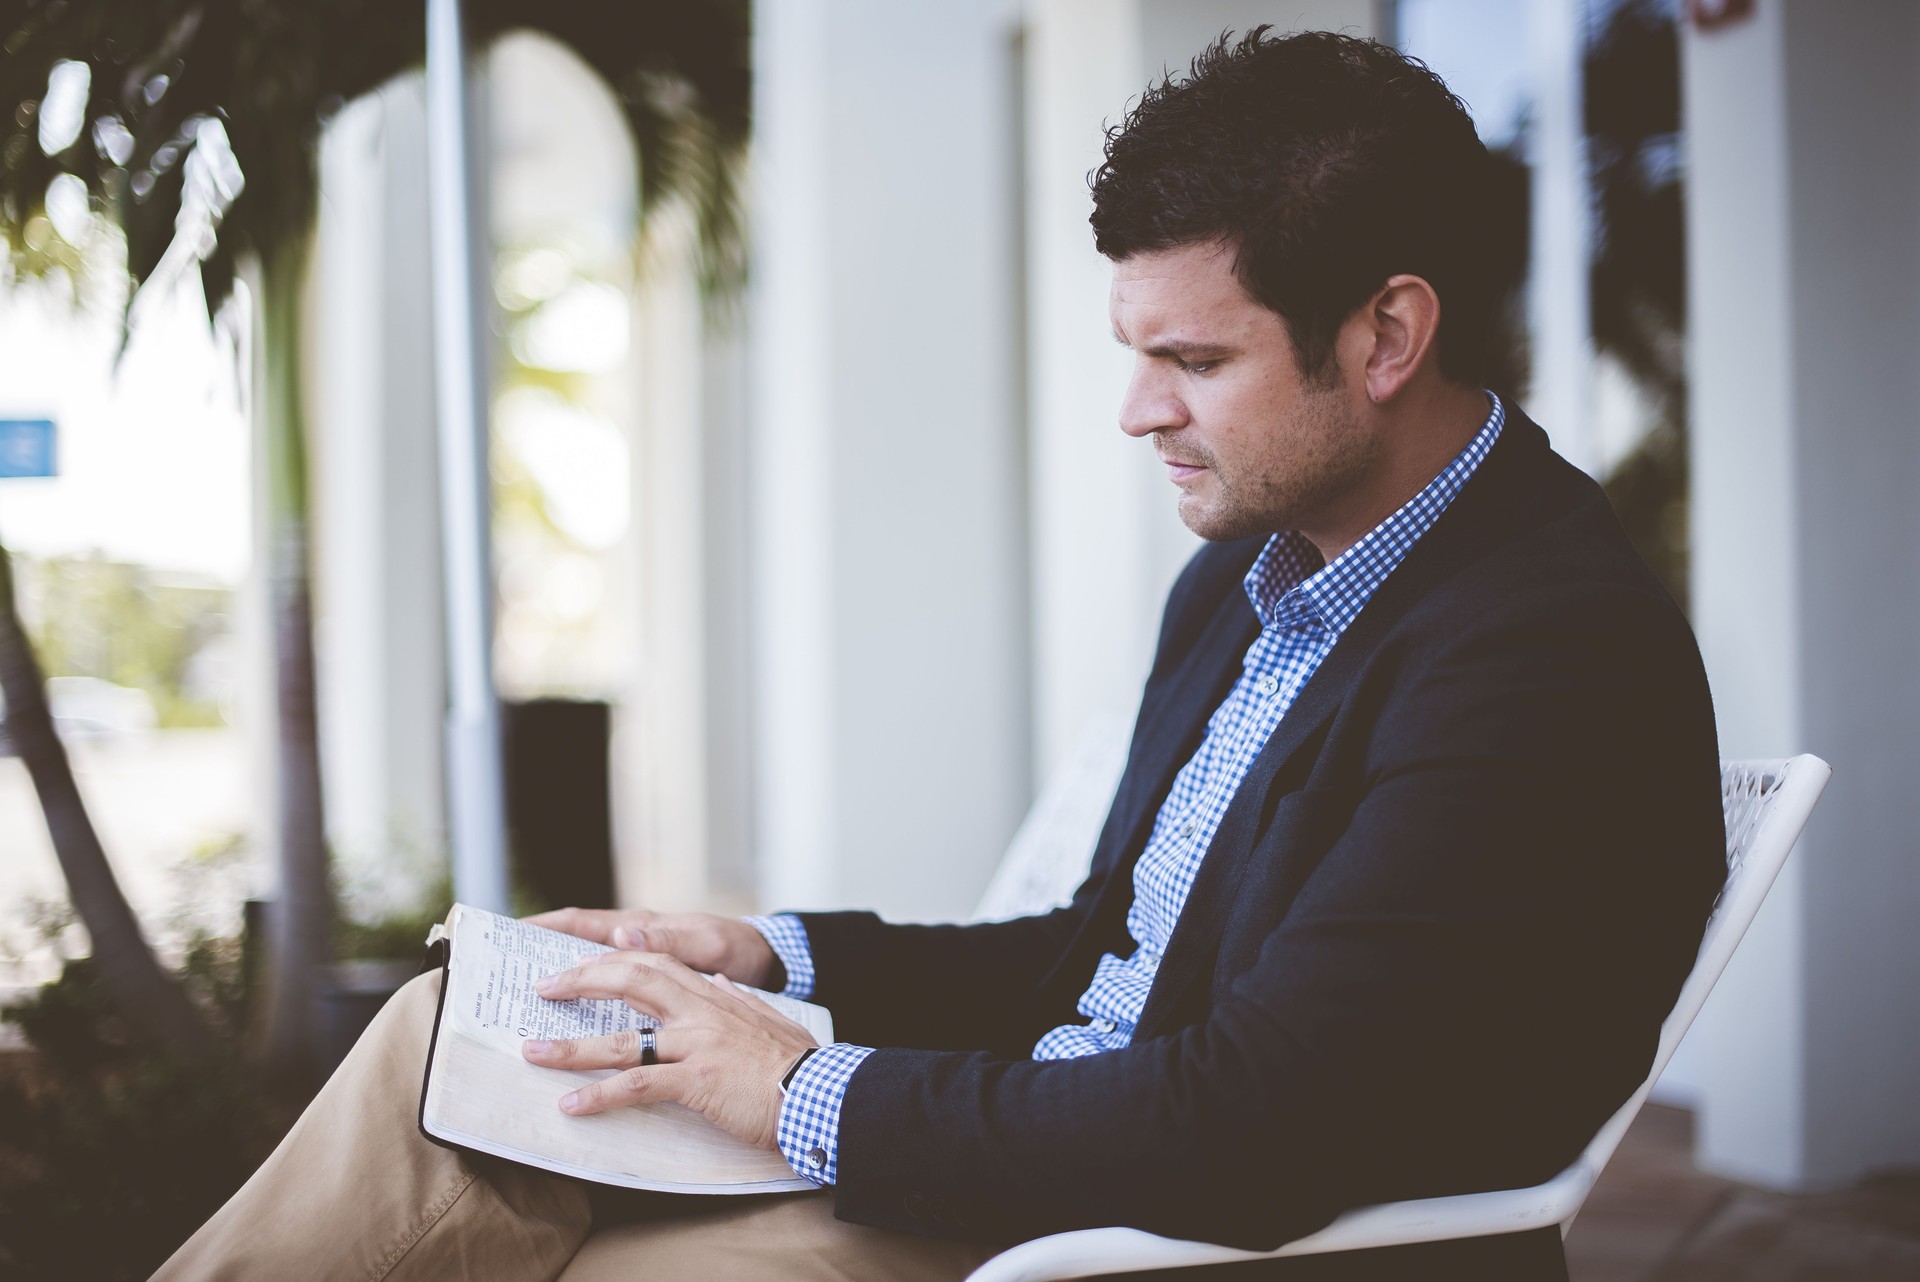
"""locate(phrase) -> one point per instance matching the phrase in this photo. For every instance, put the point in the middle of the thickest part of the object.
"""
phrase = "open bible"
(480, 1094)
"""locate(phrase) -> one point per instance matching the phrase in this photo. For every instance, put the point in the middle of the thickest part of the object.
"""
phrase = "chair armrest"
(1090, 1252)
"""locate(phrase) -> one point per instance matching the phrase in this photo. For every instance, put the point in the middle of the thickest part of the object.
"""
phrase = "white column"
(1107, 538)
(682, 770)
(891, 762)
(381, 677)
(476, 784)
(1561, 393)
(661, 729)
(1803, 208)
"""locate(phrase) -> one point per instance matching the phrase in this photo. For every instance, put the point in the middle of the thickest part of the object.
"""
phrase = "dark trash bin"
(559, 801)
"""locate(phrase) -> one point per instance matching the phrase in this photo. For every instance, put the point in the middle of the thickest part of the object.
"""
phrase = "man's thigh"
(790, 1237)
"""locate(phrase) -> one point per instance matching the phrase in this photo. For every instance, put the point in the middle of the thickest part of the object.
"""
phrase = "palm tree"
(199, 137)
(1639, 301)
(143, 992)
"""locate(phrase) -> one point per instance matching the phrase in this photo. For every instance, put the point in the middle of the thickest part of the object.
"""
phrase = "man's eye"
(1197, 367)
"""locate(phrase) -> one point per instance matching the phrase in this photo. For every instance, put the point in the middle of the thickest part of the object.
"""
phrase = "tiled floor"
(1654, 1218)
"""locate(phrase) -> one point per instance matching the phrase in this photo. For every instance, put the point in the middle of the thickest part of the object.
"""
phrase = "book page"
(483, 1095)
(492, 997)
(500, 1104)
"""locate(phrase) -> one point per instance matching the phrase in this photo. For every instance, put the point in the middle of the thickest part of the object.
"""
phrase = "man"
(1417, 835)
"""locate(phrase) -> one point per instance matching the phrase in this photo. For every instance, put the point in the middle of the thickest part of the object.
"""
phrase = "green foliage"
(395, 935)
(128, 624)
(247, 85)
(401, 934)
(111, 1156)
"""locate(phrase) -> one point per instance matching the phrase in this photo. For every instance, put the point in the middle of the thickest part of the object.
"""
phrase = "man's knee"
(404, 1024)
(423, 990)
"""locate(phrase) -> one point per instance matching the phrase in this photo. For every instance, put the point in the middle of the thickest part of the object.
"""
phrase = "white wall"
(1803, 218)
(1106, 540)
(891, 737)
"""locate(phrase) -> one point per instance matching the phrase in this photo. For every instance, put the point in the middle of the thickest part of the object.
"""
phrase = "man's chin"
(1216, 525)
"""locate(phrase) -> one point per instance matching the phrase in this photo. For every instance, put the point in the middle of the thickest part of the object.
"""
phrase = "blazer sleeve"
(938, 987)
(1471, 978)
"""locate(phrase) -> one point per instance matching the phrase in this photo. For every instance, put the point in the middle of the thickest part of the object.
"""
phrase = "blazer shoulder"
(1538, 537)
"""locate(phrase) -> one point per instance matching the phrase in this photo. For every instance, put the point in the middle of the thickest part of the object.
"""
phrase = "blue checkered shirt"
(1303, 609)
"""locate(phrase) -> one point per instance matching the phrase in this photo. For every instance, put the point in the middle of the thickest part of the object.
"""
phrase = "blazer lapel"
(1462, 533)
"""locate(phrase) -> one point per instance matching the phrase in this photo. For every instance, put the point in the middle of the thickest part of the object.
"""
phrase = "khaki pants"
(355, 1194)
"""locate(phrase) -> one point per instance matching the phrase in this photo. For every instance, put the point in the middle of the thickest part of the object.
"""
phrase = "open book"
(480, 1094)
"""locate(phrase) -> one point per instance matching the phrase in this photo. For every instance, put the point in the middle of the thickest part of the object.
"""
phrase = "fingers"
(666, 933)
(702, 940)
(650, 982)
(660, 1083)
(617, 927)
(596, 924)
(615, 1050)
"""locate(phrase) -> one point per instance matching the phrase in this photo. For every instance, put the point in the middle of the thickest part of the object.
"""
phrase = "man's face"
(1253, 445)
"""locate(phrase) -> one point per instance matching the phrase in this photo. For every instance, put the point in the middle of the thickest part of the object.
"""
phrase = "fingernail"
(545, 983)
(628, 937)
(537, 1046)
(570, 1102)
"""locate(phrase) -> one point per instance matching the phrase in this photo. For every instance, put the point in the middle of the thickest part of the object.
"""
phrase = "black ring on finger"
(649, 1052)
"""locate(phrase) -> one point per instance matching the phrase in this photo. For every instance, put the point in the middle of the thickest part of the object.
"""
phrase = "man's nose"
(1151, 404)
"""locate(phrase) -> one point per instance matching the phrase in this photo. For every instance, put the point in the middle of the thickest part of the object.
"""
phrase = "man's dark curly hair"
(1329, 164)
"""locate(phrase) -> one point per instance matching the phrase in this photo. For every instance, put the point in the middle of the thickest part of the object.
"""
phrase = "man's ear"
(1401, 322)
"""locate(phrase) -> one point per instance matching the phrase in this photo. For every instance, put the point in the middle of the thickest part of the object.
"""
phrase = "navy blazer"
(1428, 951)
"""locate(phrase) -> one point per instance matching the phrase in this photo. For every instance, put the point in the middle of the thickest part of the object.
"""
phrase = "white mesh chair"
(1766, 804)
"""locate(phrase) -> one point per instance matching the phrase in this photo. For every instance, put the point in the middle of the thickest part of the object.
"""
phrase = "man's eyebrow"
(1179, 348)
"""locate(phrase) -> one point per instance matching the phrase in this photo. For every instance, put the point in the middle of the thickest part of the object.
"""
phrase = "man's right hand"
(718, 945)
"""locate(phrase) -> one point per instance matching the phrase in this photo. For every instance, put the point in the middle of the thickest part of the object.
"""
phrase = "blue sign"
(26, 447)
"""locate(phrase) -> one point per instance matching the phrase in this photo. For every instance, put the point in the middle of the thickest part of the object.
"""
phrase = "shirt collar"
(1289, 586)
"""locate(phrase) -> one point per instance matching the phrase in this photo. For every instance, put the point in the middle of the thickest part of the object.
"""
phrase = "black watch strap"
(786, 1081)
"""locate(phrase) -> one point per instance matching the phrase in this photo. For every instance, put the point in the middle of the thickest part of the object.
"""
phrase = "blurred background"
(807, 553)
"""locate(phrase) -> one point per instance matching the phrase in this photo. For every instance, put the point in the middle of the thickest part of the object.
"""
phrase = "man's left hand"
(722, 1051)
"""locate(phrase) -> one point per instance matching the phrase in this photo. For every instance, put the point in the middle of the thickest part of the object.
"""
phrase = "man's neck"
(1422, 437)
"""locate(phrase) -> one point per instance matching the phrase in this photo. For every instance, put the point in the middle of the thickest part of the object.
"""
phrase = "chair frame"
(1766, 804)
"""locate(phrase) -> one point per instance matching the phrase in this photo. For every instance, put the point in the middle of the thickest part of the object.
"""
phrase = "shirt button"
(817, 1158)
(1186, 829)
(1268, 685)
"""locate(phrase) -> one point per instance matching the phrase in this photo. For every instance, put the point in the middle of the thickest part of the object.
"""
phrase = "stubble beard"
(1324, 457)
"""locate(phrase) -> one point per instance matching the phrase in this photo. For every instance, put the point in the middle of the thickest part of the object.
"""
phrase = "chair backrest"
(1766, 804)
(1049, 855)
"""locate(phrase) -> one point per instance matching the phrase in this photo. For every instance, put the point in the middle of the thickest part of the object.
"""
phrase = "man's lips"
(1178, 471)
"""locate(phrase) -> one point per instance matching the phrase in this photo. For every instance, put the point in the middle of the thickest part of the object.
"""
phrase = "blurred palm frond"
(194, 124)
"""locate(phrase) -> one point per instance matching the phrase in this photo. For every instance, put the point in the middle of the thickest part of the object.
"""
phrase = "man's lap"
(792, 1237)
(357, 1193)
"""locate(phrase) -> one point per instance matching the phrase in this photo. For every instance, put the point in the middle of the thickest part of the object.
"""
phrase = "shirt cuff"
(787, 937)
(809, 1129)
